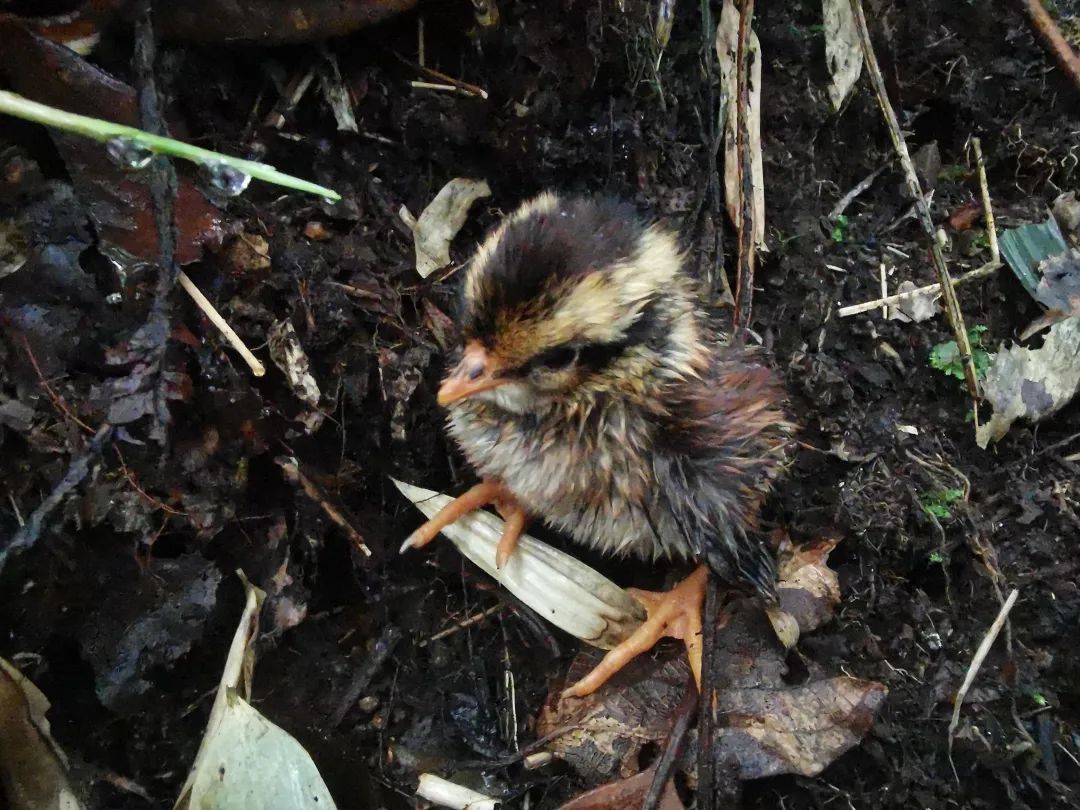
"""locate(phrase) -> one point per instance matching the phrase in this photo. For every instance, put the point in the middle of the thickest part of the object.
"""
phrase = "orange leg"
(676, 614)
(488, 492)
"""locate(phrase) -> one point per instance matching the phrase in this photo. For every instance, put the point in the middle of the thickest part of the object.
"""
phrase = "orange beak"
(475, 373)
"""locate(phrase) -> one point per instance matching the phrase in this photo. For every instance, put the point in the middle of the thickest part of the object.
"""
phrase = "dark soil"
(123, 610)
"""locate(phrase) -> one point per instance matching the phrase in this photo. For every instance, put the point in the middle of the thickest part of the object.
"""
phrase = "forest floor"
(122, 610)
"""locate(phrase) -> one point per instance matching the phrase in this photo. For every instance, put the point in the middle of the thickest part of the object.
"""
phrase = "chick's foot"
(481, 495)
(673, 614)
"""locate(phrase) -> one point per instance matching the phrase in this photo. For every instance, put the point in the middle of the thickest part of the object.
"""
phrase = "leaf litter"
(770, 727)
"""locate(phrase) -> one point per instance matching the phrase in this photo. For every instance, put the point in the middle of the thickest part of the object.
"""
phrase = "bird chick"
(592, 394)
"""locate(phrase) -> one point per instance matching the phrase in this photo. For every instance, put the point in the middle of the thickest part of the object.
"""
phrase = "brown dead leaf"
(965, 216)
(808, 590)
(766, 725)
(602, 734)
(630, 792)
(33, 769)
(248, 253)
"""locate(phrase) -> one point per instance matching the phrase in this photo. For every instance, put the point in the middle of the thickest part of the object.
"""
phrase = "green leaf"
(839, 231)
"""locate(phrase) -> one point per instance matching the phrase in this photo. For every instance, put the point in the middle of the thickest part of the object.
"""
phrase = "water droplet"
(128, 153)
(226, 179)
(330, 201)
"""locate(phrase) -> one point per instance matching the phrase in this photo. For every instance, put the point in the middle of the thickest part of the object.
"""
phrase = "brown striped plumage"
(592, 390)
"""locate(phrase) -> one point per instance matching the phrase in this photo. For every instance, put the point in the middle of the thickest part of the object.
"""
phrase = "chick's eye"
(556, 359)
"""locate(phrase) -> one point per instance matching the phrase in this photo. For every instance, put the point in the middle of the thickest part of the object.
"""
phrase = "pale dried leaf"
(563, 590)
(1032, 384)
(727, 43)
(33, 769)
(440, 222)
(843, 53)
(917, 308)
(288, 355)
(244, 760)
(808, 590)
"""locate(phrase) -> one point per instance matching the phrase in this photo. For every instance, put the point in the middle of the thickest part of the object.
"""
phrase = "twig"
(988, 209)
(744, 280)
(673, 750)
(1053, 40)
(469, 89)
(952, 306)
(707, 700)
(976, 664)
(257, 368)
(27, 535)
(291, 469)
(104, 131)
(930, 289)
(449, 794)
(383, 648)
(444, 87)
(884, 289)
(469, 622)
(862, 186)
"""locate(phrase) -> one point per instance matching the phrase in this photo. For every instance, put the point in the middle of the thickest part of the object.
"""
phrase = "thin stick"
(104, 131)
(290, 468)
(863, 185)
(469, 622)
(470, 89)
(884, 289)
(930, 289)
(257, 368)
(1052, 39)
(952, 306)
(988, 209)
(976, 664)
(444, 87)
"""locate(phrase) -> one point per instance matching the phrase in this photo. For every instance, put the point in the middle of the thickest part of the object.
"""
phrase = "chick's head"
(572, 298)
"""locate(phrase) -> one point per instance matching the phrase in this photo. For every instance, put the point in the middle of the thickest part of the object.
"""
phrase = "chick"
(592, 394)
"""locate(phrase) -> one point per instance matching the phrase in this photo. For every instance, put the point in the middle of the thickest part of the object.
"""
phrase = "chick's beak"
(475, 373)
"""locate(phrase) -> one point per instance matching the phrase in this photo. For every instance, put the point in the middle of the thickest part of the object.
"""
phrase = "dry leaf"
(563, 590)
(288, 355)
(917, 308)
(796, 729)
(244, 760)
(33, 769)
(1032, 383)
(1058, 290)
(629, 792)
(767, 726)
(248, 253)
(808, 590)
(441, 220)
(603, 733)
(727, 43)
(843, 53)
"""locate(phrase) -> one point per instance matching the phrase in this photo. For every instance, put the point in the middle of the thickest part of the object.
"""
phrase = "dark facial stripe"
(595, 357)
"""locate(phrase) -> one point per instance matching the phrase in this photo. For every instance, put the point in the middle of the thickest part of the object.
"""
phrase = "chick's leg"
(488, 492)
(675, 614)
